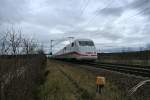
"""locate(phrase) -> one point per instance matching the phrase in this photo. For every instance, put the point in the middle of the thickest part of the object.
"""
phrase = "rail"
(130, 69)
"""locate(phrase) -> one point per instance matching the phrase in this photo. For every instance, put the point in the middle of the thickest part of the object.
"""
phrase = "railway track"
(130, 69)
(136, 66)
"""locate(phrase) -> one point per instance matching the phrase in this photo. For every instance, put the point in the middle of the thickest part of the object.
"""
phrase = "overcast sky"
(110, 23)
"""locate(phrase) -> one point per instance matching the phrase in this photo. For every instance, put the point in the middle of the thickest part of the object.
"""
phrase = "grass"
(21, 75)
(68, 82)
(57, 87)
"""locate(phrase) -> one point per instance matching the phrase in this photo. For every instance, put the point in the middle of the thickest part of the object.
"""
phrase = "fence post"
(100, 82)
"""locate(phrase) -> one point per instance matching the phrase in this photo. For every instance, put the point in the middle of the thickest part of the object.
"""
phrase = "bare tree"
(12, 42)
(4, 45)
(14, 38)
(40, 50)
(29, 46)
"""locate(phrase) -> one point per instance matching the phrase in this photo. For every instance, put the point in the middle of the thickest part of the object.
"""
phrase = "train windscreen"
(86, 43)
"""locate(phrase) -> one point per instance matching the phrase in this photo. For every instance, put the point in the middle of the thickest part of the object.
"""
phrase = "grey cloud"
(140, 3)
(12, 11)
(95, 34)
(109, 35)
(117, 11)
(59, 13)
(143, 6)
(43, 18)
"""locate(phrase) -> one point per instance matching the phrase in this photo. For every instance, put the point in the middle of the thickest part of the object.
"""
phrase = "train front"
(87, 50)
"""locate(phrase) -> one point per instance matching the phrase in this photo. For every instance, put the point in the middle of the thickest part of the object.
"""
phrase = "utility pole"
(51, 47)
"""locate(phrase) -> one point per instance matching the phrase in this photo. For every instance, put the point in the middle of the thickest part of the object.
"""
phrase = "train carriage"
(80, 49)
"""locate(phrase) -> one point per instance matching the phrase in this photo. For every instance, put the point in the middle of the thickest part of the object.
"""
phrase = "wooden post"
(100, 82)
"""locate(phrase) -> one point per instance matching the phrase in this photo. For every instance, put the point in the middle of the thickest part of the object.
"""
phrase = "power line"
(84, 7)
(100, 10)
(138, 13)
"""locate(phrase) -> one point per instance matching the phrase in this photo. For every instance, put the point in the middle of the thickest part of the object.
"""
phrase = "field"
(68, 82)
(134, 58)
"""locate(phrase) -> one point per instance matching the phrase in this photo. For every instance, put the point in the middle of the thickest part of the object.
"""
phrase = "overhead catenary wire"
(86, 3)
(140, 12)
(132, 16)
(84, 7)
(91, 19)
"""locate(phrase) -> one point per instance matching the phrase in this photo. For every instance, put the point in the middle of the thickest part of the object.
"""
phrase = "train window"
(72, 45)
(86, 43)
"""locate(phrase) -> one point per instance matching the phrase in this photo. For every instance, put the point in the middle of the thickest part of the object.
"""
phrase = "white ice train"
(80, 49)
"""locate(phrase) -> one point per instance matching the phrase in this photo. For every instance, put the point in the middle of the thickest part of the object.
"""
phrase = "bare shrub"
(14, 40)
(29, 46)
(4, 46)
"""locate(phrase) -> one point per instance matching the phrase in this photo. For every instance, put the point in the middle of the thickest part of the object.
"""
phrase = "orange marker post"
(100, 82)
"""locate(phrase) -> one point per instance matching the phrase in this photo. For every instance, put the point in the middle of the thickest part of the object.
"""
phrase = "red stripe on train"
(76, 53)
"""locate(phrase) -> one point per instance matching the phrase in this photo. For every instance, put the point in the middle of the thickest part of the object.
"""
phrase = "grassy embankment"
(65, 82)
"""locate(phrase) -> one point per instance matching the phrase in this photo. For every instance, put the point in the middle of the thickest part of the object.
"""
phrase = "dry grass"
(86, 79)
(68, 82)
(57, 87)
(20, 76)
